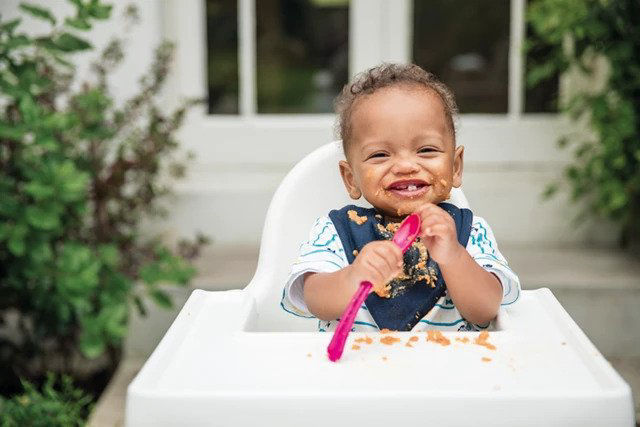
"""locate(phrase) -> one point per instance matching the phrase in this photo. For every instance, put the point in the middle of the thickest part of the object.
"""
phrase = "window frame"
(380, 30)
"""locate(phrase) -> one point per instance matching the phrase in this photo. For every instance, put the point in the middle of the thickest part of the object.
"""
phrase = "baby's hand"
(438, 233)
(378, 262)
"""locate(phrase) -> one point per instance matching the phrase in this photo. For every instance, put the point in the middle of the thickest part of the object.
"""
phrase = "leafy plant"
(605, 171)
(56, 405)
(78, 173)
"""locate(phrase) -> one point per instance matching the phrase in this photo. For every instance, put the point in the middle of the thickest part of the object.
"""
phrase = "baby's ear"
(348, 178)
(458, 163)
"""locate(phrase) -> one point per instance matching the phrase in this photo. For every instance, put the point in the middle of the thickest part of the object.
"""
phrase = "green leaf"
(41, 252)
(140, 305)
(67, 42)
(39, 191)
(10, 26)
(29, 109)
(42, 218)
(92, 345)
(109, 255)
(99, 11)
(550, 190)
(78, 23)
(12, 131)
(15, 42)
(161, 298)
(16, 243)
(38, 12)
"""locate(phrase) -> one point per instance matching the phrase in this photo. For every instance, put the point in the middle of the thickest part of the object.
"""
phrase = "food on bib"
(353, 216)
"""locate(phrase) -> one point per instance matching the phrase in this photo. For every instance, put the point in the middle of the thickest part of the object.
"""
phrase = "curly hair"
(385, 75)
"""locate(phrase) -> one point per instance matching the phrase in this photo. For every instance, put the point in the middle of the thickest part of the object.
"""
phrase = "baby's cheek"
(442, 188)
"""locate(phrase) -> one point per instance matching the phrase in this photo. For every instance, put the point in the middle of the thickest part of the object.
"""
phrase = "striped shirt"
(324, 253)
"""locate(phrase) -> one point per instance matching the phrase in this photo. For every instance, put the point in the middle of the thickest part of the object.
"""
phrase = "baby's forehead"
(413, 102)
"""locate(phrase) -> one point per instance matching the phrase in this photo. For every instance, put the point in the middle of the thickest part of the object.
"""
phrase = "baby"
(397, 128)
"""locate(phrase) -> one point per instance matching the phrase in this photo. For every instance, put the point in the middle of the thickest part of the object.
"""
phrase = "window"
(543, 97)
(292, 56)
(222, 48)
(301, 55)
(466, 45)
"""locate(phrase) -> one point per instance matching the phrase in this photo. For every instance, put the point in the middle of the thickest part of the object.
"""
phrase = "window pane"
(222, 49)
(302, 54)
(542, 98)
(466, 45)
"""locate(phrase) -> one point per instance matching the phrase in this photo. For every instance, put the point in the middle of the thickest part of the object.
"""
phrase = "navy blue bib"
(416, 291)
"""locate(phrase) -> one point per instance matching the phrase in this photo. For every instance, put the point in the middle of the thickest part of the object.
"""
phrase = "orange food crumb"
(389, 340)
(408, 344)
(482, 340)
(385, 331)
(463, 340)
(355, 252)
(437, 337)
(367, 340)
(486, 359)
(443, 182)
(413, 338)
(355, 347)
(353, 216)
(384, 358)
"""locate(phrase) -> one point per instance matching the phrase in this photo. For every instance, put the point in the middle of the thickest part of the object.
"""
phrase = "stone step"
(599, 288)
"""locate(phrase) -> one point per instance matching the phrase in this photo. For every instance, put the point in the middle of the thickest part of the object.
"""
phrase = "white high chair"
(237, 358)
(311, 189)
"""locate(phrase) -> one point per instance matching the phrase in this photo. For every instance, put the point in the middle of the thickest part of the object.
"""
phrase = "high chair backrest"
(311, 189)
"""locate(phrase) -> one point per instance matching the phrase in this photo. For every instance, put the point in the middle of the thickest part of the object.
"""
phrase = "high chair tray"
(211, 368)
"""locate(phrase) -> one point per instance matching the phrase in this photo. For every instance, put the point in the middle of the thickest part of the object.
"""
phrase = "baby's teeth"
(412, 187)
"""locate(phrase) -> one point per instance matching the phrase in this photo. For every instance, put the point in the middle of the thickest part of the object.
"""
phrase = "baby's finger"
(439, 230)
(429, 222)
(387, 260)
(376, 269)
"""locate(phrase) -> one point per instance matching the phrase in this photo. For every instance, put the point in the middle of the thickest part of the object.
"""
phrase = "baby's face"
(402, 153)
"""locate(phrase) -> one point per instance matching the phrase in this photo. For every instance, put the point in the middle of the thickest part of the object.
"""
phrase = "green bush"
(78, 173)
(606, 169)
(62, 405)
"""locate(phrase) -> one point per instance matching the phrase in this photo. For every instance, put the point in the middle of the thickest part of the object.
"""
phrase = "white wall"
(240, 161)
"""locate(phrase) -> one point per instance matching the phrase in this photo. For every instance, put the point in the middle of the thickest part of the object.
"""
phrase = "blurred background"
(141, 143)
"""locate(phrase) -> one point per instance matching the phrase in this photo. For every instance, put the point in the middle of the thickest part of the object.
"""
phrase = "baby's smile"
(409, 188)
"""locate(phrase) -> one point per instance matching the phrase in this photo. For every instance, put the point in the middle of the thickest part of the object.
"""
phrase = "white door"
(274, 107)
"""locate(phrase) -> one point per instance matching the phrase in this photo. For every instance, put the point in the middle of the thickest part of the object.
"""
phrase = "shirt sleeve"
(322, 253)
(483, 248)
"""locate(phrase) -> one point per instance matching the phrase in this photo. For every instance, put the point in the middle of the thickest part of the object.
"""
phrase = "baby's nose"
(405, 165)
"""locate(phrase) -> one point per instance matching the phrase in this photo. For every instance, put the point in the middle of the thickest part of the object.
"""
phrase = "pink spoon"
(404, 237)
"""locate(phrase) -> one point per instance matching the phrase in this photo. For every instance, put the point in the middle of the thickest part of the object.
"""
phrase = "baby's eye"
(376, 155)
(427, 150)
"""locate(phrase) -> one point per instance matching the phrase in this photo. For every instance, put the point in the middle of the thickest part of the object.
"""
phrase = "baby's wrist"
(455, 256)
